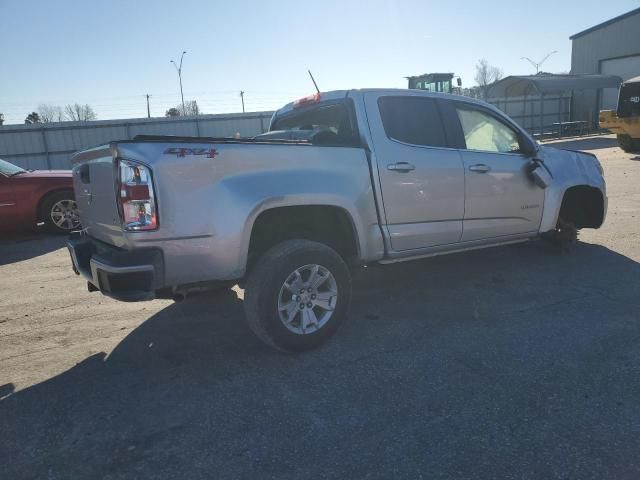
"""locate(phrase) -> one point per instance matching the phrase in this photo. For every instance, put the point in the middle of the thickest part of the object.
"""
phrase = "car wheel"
(60, 212)
(297, 295)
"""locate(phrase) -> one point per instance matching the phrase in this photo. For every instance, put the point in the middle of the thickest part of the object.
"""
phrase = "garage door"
(625, 68)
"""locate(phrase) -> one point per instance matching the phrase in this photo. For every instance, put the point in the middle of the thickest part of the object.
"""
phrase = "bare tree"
(486, 75)
(50, 113)
(79, 113)
(32, 118)
(190, 108)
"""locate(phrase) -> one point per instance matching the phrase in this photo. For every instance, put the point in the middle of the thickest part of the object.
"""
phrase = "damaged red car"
(32, 197)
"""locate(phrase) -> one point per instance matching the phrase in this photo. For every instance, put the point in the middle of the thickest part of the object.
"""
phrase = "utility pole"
(148, 109)
(537, 65)
(179, 70)
(242, 98)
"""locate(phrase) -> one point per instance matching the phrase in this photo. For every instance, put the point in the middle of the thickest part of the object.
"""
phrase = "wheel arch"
(277, 223)
(584, 205)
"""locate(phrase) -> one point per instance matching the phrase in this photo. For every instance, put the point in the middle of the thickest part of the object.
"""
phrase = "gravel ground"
(511, 363)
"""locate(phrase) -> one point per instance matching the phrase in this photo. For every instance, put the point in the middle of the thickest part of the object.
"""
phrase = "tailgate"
(94, 182)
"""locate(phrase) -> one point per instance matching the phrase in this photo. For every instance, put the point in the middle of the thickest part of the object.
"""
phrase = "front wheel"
(564, 237)
(297, 295)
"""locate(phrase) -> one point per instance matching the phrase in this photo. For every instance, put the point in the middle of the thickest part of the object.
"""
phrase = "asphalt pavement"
(516, 362)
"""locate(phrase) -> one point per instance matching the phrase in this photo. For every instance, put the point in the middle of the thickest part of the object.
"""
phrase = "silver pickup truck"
(341, 178)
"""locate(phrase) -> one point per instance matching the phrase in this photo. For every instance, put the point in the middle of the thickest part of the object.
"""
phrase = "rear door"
(500, 198)
(422, 180)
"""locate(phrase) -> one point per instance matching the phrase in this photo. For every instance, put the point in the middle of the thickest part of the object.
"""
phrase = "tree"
(79, 113)
(33, 117)
(190, 108)
(486, 75)
(50, 113)
(1, 119)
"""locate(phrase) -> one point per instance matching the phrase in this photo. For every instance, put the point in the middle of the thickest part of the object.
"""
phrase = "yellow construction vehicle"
(625, 121)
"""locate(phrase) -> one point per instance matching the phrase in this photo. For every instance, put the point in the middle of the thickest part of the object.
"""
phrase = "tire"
(274, 287)
(60, 212)
(564, 237)
(628, 144)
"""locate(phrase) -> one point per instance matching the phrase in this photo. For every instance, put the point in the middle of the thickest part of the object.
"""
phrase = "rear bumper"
(124, 275)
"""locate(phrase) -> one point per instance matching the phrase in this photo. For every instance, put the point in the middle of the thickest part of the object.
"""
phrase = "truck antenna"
(314, 81)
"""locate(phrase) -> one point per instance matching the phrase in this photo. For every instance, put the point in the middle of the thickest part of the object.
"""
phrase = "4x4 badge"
(183, 152)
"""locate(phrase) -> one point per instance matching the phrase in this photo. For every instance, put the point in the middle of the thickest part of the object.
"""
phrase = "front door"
(500, 198)
(422, 180)
(8, 208)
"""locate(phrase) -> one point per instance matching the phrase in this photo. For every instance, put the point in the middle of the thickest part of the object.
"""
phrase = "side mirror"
(539, 174)
(527, 146)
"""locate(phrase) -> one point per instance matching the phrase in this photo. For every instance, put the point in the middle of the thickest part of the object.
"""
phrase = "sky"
(110, 53)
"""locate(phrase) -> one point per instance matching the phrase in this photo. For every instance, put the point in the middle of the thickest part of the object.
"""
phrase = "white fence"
(50, 145)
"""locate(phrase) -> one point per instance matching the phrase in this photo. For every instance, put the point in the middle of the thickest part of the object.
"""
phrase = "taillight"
(136, 200)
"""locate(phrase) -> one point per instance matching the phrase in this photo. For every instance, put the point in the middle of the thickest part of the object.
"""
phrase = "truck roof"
(339, 94)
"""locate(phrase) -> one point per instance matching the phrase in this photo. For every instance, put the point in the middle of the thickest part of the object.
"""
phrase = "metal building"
(611, 48)
(541, 103)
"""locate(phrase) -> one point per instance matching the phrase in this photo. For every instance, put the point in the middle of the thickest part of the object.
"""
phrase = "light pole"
(538, 64)
(179, 69)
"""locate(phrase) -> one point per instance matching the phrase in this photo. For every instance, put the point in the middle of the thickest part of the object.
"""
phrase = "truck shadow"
(192, 386)
(16, 247)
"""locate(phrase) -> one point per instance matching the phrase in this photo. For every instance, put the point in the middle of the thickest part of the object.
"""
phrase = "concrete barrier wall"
(50, 145)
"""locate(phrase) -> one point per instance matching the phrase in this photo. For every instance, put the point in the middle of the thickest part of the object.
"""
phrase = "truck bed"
(210, 191)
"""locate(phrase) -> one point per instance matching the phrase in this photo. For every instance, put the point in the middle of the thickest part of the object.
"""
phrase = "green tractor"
(625, 121)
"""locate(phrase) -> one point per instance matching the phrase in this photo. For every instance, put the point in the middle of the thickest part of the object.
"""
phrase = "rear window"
(331, 124)
(413, 120)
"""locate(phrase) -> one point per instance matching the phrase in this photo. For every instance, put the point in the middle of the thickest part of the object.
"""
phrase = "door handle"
(401, 167)
(480, 168)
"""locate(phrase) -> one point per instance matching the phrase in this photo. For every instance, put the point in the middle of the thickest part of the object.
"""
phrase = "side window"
(414, 120)
(486, 133)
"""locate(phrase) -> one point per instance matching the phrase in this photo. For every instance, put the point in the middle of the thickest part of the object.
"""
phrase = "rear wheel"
(628, 144)
(297, 295)
(60, 212)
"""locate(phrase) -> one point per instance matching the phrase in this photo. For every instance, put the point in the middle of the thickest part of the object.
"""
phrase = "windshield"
(10, 169)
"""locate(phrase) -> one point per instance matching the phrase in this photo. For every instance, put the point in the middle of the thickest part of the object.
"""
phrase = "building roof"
(605, 24)
(521, 85)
